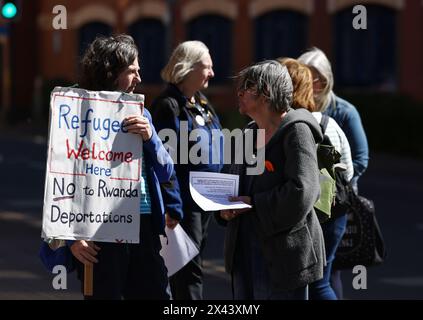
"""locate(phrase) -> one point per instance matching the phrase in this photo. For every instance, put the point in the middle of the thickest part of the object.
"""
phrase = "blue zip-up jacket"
(159, 166)
(348, 118)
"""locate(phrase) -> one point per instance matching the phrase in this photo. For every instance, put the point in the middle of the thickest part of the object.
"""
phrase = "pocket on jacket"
(298, 250)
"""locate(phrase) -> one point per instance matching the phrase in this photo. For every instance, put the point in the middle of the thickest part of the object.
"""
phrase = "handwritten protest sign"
(93, 172)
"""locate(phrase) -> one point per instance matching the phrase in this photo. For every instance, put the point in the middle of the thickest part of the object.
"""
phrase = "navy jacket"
(169, 109)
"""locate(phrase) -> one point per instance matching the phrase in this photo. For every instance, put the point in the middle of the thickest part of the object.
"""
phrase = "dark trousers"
(187, 283)
(129, 271)
(335, 277)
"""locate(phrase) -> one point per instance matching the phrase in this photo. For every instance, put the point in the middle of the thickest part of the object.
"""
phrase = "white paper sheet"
(211, 190)
(177, 250)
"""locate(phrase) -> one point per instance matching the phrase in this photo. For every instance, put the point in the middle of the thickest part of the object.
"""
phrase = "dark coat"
(169, 109)
(283, 196)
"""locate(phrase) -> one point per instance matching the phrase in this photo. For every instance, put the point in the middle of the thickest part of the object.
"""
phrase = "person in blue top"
(347, 117)
(184, 110)
(121, 270)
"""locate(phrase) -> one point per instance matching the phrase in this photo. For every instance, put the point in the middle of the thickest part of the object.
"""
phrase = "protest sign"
(93, 176)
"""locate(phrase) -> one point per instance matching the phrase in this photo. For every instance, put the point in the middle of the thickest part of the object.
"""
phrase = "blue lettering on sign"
(75, 121)
(86, 121)
(105, 126)
(98, 171)
(63, 114)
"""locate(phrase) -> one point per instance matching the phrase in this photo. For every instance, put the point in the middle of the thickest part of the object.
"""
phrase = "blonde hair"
(302, 81)
(316, 59)
(183, 60)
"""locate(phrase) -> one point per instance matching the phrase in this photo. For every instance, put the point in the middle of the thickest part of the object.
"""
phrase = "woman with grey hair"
(182, 108)
(275, 249)
(344, 113)
(346, 116)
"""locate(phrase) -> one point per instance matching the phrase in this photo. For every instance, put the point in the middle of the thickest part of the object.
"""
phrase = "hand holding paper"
(177, 249)
(211, 191)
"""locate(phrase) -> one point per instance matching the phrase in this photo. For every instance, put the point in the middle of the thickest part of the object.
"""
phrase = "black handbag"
(362, 243)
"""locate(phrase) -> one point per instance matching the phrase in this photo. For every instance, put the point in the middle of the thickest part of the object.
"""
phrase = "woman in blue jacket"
(347, 117)
(122, 270)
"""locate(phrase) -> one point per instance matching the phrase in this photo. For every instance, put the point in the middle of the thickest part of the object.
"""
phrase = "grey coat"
(289, 232)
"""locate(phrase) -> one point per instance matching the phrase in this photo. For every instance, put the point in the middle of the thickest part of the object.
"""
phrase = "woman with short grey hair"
(274, 249)
(270, 82)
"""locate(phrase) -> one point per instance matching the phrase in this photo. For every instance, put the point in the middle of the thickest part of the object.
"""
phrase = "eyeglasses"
(248, 86)
(320, 80)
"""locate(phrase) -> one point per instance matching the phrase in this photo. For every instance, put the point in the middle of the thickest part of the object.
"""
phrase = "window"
(150, 37)
(89, 31)
(280, 34)
(216, 32)
(366, 57)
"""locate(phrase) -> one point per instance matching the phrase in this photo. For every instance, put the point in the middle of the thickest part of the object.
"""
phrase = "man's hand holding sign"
(139, 125)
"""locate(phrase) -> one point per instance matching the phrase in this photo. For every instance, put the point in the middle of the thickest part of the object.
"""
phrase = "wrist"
(146, 139)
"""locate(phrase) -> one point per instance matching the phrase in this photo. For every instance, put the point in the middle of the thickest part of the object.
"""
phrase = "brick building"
(386, 57)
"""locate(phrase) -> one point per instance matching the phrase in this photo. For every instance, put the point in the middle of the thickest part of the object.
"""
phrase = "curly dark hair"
(104, 60)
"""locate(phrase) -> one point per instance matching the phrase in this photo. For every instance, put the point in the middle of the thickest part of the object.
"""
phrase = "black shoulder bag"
(362, 243)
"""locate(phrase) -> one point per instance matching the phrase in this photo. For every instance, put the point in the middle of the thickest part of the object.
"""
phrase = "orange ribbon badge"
(269, 166)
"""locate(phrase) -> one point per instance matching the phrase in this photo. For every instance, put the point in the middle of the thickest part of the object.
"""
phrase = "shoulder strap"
(324, 123)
